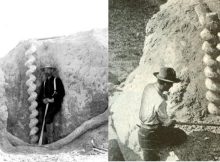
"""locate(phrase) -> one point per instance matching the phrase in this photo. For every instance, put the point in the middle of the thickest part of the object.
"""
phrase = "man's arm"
(40, 98)
(163, 116)
(58, 96)
(144, 103)
(60, 92)
(40, 95)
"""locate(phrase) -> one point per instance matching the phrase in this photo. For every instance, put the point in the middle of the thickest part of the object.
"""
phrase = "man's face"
(48, 72)
(167, 86)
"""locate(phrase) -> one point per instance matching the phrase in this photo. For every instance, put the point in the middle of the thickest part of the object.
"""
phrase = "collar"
(51, 78)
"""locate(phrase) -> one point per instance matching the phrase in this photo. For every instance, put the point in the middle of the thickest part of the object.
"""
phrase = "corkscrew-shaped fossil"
(31, 91)
(210, 59)
(3, 107)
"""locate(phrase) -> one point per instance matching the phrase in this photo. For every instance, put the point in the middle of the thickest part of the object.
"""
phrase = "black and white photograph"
(109, 80)
(164, 80)
(53, 80)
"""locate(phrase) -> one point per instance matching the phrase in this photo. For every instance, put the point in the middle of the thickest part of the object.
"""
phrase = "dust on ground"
(60, 157)
(91, 146)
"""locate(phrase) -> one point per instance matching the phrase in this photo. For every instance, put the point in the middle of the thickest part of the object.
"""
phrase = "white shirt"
(153, 106)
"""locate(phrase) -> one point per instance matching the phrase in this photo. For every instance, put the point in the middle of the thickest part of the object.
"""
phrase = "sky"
(28, 19)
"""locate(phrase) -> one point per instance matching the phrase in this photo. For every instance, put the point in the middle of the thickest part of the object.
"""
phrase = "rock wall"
(81, 60)
(172, 39)
(127, 21)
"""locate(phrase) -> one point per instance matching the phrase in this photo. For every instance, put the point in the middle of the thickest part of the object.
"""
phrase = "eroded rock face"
(127, 20)
(172, 39)
(81, 60)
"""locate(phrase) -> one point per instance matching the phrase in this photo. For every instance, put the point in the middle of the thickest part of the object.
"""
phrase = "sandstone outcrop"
(81, 60)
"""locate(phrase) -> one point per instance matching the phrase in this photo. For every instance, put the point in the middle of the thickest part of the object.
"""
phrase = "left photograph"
(53, 81)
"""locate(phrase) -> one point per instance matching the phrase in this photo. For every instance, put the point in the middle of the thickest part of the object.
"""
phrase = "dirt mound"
(172, 39)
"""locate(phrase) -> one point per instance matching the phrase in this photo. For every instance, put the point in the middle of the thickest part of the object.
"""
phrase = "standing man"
(156, 127)
(50, 97)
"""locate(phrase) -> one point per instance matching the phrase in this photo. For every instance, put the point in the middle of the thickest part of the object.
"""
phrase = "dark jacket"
(47, 91)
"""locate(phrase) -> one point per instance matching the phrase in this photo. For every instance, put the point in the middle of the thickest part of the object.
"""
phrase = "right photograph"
(164, 80)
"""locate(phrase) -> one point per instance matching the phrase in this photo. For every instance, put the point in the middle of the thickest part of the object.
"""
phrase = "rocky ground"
(59, 157)
(171, 39)
(70, 156)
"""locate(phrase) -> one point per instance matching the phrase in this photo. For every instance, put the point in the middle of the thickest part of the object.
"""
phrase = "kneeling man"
(156, 127)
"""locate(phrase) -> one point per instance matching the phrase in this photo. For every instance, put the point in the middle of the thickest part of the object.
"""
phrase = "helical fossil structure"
(3, 107)
(31, 91)
(211, 60)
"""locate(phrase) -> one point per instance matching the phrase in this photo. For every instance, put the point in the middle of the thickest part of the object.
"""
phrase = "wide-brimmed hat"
(48, 66)
(167, 74)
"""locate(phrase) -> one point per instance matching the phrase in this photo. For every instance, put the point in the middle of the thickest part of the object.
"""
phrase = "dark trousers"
(151, 140)
(48, 127)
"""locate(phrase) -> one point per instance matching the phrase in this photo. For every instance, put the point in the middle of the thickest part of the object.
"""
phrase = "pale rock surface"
(82, 61)
(172, 39)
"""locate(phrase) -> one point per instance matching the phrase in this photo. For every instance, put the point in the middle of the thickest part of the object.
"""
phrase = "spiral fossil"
(3, 107)
(31, 91)
(210, 59)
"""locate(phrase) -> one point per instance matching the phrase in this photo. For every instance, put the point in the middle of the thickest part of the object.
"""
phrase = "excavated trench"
(82, 65)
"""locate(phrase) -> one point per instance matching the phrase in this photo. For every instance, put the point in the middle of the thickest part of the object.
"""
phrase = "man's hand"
(171, 123)
(45, 101)
(51, 100)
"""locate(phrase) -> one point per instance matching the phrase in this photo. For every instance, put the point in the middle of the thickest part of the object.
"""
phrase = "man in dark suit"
(49, 100)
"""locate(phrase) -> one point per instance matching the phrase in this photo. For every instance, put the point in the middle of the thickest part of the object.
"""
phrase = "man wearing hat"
(157, 128)
(49, 100)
